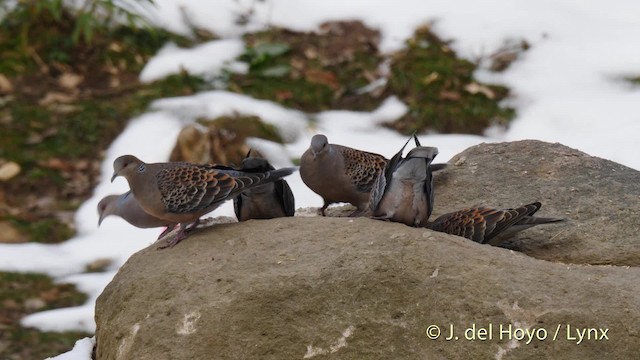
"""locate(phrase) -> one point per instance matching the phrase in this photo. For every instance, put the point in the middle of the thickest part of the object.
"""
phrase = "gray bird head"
(319, 143)
(126, 165)
(426, 152)
(107, 206)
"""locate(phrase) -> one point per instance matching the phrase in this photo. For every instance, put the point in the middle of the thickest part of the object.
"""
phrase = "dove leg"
(193, 226)
(167, 231)
(361, 212)
(181, 235)
(384, 218)
(323, 208)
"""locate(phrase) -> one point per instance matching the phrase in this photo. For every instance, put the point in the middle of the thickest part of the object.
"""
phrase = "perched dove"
(342, 174)
(181, 192)
(126, 207)
(490, 226)
(266, 201)
(404, 191)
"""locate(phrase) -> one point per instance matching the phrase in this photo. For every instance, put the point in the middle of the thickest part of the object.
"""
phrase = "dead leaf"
(53, 97)
(9, 170)
(430, 78)
(282, 95)
(10, 235)
(50, 295)
(115, 47)
(475, 88)
(317, 76)
(311, 53)
(70, 80)
(57, 164)
(449, 95)
(38, 137)
(5, 85)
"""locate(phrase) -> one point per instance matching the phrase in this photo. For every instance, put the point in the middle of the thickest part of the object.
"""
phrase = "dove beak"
(100, 220)
(115, 175)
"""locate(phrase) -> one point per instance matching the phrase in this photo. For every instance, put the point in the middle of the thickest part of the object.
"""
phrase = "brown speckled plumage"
(339, 173)
(487, 225)
(193, 188)
(182, 192)
(342, 174)
(362, 167)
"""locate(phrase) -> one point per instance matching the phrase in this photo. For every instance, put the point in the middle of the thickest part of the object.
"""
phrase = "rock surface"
(343, 288)
(599, 198)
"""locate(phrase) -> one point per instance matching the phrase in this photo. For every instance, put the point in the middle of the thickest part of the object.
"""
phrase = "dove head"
(319, 143)
(256, 164)
(426, 152)
(126, 166)
(107, 206)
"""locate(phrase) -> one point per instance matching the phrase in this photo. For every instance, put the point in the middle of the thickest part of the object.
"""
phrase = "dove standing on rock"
(404, 191)
(342, 174)
(266, 201)
(181, 192)
(126, 207)
(490, 226)
(339, 173)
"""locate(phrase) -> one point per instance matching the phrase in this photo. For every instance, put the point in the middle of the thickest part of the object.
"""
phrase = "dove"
(490, 226)
(342, 174)
(339, 173)
(403, 192)
(266, 201)
(126, 207)
(181, 192)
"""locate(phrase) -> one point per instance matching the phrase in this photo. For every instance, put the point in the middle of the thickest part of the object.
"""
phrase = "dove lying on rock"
(404, 191)
(266, 201)
(342, 174)
(490, 226)
(181, 192)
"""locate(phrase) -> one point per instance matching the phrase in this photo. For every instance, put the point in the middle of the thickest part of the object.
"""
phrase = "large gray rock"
(343, 288)
(599, 198)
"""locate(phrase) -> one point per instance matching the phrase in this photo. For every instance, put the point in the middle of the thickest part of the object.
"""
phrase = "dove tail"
(534, 220)
(280, 173)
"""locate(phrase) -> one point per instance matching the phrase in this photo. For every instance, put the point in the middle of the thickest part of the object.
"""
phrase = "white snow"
(567, 88)
(81, 350)
(204, 59)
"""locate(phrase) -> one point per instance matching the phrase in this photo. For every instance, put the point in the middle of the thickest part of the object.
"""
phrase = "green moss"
(440, 90)
(311, 71)
(46, 32)
(46, 230)
(634, 80)
(24, 343)
(73, 136)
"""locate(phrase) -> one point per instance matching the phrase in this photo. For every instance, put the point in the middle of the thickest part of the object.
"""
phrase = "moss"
(633, 80)
(46, 230)
(25, 343)
(312, 71)
(440, 90)
(33, 36)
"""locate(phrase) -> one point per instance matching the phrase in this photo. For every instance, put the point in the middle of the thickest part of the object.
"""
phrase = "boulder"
(599, 198)
(342, 288)
(356, 288)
